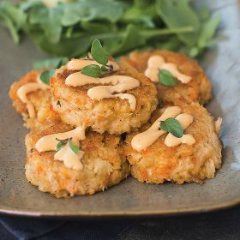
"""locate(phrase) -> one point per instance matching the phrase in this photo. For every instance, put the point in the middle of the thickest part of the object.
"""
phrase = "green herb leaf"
(46, 75)
(74, 147)
(92, 70)
(166, 78)
(61, 144)
(172, 126)
(98, 52)
(104, 69)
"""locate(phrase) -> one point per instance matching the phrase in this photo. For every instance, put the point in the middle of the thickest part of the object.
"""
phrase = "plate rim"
(122, 214)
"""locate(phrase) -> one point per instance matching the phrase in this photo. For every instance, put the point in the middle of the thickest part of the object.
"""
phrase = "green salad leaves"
(68, 28)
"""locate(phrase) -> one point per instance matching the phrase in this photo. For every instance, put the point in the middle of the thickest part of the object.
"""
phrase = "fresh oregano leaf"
(172, 126)
(104, 69)
(46, 75)
(98, 52)
(92, 70)
(61, 144)
(74, 147)
(166, 78)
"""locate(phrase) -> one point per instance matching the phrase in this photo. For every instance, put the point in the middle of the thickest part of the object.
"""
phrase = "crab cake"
(196, 87)
(119, 111)
(102, 165)
(191, 158)
(39, 98)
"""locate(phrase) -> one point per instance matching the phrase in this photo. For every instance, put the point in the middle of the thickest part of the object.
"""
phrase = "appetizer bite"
(78, 112)
(65, 162)
(180, 145)
(31, 98)
(177, 77)
(95, 91)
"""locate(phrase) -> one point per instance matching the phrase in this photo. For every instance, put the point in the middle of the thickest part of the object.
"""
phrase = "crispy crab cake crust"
(104, 165)
(199, 89)
(184, 163)
(108, 115)
(40, 99)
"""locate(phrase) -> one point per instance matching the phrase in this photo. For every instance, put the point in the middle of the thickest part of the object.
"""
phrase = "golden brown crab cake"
(183, 163)
(104, 165)
(198, 89)
(112, 115)
(40, 99)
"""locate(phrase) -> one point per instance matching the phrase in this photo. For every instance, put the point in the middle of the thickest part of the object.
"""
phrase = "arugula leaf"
(177, 13)
(68, 29)
(89, 10)
(127, 41)
(172, 126)
(92, 70)
(74, 147)
(46, 75)
(49, 63)
(98, 52)
(13, 18)
(141, 13)
(26, 5)
(208, 30)
(166, 78)
(38, 15)
(53, 27)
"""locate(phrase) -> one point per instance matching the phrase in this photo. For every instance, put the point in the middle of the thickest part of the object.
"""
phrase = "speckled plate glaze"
(130, 198)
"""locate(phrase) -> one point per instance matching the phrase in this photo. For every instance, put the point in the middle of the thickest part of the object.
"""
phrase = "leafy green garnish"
(166, 78)
(13, 18)
(172, 126)
(92, 70)
(46, 75)
(178, 14)
(98, 52)
(62, 143)
(49, 63)
(92, 10)
(74, 147)
(69, 28)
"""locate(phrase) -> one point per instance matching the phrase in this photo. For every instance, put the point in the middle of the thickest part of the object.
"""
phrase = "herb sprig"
(172, 126)
(99, 54)
(68, 28)
(166, 78)
(62, 143)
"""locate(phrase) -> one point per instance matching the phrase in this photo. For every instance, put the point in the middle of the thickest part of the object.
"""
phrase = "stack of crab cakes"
(75, 146)
(97, 121)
